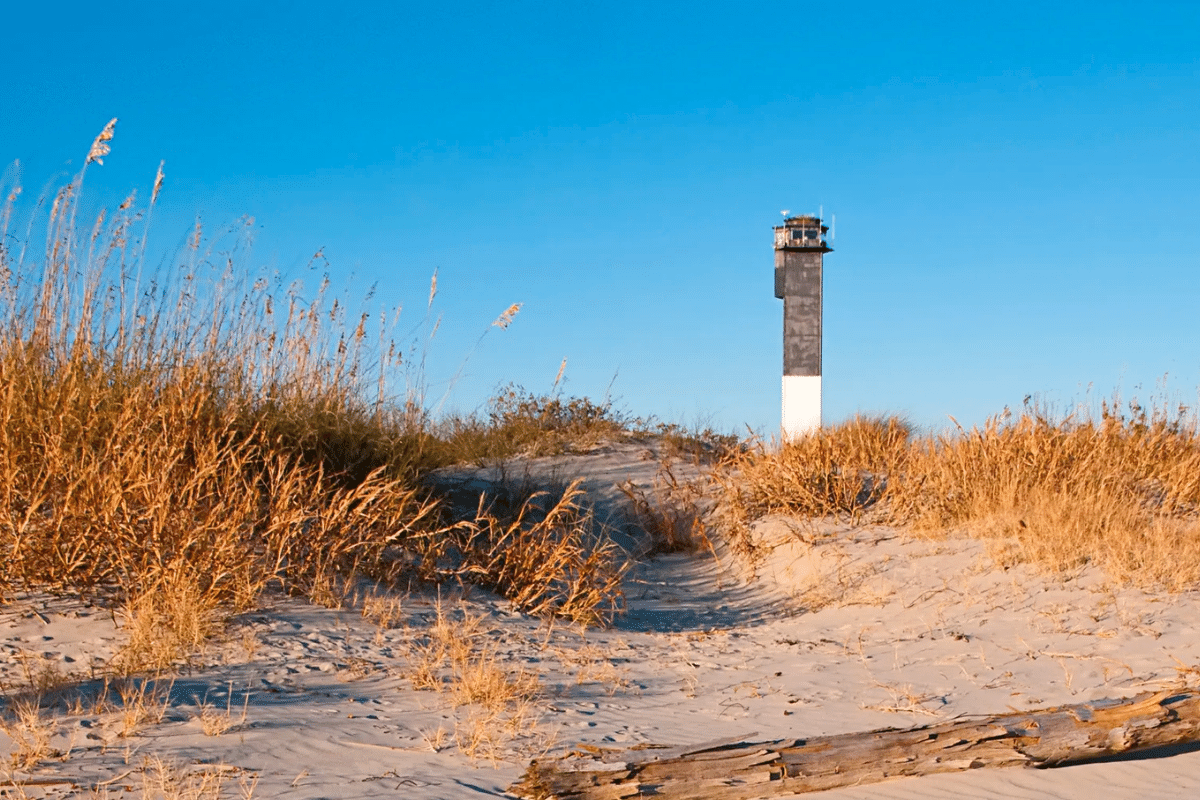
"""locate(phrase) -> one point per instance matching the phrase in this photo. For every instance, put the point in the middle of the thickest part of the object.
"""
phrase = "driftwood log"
(736, 770)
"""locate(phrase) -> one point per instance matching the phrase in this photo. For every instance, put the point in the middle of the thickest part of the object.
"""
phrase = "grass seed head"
(100, 147)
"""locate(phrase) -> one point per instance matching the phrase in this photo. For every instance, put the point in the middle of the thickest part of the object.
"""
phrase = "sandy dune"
(842, 629)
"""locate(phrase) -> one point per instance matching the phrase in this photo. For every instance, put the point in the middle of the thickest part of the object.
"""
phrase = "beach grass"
(1118, 488)
(182, 438)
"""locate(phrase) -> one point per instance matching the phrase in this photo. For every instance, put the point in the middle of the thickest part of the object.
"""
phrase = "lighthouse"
(799, 252)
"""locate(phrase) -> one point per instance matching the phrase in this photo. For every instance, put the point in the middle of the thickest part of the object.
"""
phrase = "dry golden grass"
(43, 676)
(215, 721)
(1119, 489)
(142, 702)
(162, 779)
(31, 732)
(455, 659)
(592, 664)
(184, 439)
(673, 513)
(547, 555)
(498, 736)
(519, 423)
(124, 706)
(450, 637)
(699, 443)
(384, 610)
(187, 432)
(169, 622)
(839, 470)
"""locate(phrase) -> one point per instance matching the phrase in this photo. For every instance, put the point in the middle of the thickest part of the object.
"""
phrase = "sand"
(841, 629)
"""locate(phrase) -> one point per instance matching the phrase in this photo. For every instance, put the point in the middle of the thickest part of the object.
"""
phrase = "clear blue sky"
(1016, 185)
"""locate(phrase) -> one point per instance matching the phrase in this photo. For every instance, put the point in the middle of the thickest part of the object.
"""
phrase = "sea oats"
(100, 146)
(158, 182)
(505, 319)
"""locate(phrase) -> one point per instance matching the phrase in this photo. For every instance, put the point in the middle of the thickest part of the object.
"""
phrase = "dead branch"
(743, 770)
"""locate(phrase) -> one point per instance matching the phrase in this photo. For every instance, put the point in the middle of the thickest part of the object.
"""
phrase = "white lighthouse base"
(801, 405)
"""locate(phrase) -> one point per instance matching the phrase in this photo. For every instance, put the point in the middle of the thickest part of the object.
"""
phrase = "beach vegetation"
(1117, 487)
(179, 439)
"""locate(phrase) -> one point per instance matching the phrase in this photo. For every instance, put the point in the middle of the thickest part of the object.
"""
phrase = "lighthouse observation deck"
(801, 233)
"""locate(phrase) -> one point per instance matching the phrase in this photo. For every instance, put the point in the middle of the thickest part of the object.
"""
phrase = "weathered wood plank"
(738, 770)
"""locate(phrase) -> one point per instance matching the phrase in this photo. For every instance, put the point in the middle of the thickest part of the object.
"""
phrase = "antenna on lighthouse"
(785, 212)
